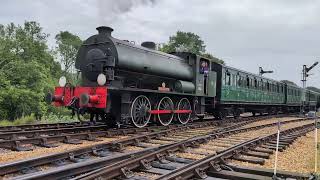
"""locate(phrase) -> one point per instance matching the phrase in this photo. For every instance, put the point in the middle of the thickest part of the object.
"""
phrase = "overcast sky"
(279, 35)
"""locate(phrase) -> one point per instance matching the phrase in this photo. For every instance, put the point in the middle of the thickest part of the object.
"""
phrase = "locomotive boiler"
(102, 53)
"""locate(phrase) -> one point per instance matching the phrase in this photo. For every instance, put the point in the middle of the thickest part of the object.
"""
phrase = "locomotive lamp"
(62, 81)
(102, 79)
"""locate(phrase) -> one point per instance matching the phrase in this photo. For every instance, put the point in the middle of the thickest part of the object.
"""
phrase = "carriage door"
(211, 84)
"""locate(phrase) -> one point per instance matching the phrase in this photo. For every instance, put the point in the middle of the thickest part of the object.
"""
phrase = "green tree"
(27, 70)
(189, 42)
(68, 46)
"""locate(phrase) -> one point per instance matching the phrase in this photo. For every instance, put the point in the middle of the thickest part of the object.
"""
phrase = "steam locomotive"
(123, 83)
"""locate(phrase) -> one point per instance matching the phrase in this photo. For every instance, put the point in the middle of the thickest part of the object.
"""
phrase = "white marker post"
(316, 145)
(276, 158)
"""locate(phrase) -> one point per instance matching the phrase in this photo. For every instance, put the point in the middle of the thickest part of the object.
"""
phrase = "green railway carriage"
(240, 86)
(239, 91)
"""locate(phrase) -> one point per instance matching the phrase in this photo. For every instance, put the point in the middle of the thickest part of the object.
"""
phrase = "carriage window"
(273, 88)
(238, 80)
(233, 80)
(248, 82)
(227, 78)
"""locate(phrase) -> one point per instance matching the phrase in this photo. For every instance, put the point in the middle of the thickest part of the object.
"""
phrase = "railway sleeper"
(262, 150)
(272, 147)
(257, 154)
(267, 172)
(69, 140)
(178, 159)
(283, 141)
(279, 145)
(249, 159)
(17, 146)
(159, 165)
(44, 143)
(235, 175)
(102, 153)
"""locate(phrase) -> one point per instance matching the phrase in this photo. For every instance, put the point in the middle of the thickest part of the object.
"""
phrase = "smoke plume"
(109, 10)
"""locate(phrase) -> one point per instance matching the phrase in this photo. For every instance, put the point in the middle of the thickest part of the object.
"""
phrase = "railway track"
(212, 164)
(83, 160)
(43, 136)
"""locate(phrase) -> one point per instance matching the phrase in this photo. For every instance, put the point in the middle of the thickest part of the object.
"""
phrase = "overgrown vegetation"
(28, 70)
(31, 119)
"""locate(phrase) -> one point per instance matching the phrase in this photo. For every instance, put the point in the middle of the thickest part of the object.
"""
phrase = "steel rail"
(30, 127)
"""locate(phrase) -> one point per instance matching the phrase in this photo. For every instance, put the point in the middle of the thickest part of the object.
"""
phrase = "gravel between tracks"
(298, 157)
(269, 121)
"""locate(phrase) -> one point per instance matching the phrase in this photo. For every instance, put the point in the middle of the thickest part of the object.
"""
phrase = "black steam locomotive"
(123, 83)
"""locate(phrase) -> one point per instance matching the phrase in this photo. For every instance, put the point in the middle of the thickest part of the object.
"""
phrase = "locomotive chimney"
(149, 44)
(104, 30)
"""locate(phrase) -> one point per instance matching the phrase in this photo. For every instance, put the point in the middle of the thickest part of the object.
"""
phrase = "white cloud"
(280, 35)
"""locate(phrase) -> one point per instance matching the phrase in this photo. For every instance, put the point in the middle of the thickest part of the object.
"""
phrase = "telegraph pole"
(261, 71)
(305, 74)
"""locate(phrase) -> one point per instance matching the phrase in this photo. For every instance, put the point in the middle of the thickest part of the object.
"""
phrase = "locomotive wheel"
(140, 115)
(184, 104)
(165, 104)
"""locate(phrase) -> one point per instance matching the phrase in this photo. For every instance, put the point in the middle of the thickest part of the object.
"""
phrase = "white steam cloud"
(109, 10)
